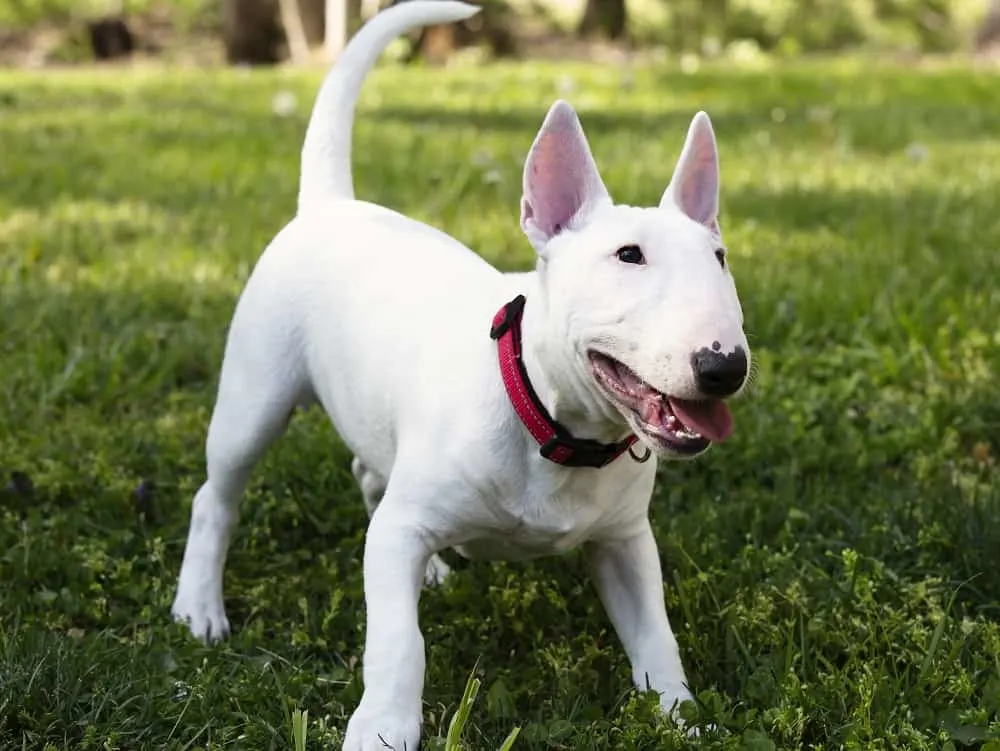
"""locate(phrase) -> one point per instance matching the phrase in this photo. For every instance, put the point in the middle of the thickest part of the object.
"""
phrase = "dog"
(501, 415)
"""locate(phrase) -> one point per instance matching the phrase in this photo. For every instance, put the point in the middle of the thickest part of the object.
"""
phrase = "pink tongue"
(711, 418)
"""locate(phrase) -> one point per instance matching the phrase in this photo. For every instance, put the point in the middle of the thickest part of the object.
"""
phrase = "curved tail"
(326, 152)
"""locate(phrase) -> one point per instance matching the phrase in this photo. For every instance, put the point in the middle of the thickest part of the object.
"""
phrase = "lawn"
(833, 572)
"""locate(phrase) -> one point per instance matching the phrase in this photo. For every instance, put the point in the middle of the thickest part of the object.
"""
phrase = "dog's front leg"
(395, 558)
(630, 583)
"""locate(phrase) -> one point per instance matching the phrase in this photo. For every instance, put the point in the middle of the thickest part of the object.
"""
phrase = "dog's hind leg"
(372, 489)
(259, 387)
(371, 482)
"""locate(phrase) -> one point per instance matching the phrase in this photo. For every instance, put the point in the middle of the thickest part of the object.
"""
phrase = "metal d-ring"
(640, 459)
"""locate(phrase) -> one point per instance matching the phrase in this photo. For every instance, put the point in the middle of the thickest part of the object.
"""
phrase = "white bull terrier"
(502, 415)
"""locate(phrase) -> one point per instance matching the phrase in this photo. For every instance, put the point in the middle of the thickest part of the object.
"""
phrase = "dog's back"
(425, 301)
(341, 261)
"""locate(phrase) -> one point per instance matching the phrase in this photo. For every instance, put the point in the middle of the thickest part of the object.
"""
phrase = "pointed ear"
(694, 188)
(561, 181)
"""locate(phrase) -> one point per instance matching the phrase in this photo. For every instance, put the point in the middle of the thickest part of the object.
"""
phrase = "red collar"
(557, 444)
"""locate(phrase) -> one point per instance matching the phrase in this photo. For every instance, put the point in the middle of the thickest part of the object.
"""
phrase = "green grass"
(833, 573)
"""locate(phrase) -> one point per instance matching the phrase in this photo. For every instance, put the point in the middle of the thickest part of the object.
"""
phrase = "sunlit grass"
(832, 572)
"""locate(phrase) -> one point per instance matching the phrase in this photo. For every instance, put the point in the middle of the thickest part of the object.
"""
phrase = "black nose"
(718, 374)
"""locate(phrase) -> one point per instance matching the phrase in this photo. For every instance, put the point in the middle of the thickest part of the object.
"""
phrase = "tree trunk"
(988, 34)
(250, 31)
(110, 37)
(295, 35)
(492, 26)
(369, 8)
(313, 15)
(336, 28)
(605, 18)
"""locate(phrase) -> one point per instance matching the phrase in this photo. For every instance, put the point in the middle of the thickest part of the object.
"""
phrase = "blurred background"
(35, 33)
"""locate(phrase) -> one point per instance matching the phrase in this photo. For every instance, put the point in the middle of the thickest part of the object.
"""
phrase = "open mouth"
(679, 426)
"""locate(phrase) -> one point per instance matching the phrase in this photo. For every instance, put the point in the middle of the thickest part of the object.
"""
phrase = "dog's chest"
(547, 518)
(530, 536)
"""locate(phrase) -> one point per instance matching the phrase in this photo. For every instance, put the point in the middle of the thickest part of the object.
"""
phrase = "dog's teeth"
(680, 430)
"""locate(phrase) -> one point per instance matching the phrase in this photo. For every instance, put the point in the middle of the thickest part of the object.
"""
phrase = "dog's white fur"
(384, 321)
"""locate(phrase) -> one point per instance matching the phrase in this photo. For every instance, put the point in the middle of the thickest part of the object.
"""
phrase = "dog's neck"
(561, 377)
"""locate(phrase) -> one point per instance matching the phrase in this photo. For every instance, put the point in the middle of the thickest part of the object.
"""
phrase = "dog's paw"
(670, 704)
(370, 730)
(437, 571)
(674, 713)
(204, 615)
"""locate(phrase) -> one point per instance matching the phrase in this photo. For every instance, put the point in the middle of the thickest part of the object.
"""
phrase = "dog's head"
(640, 300)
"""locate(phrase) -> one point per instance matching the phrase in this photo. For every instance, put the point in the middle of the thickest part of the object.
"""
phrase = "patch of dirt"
(155, 34)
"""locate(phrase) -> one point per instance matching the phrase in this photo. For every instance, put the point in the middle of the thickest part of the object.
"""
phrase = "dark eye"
(631, 254)
(720, 256)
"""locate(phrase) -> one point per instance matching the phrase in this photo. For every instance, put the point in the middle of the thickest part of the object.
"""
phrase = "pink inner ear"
(694, 188)
(699, 189)
(560, 177)
(698, 195)
(553, 193)
(554, 181)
